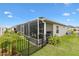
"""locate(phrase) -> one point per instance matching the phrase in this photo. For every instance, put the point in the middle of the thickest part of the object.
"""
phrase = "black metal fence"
(20, 47)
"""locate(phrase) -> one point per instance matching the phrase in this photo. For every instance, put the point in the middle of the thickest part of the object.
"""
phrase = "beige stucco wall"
(62, 30)
(52, 28)
(49, 27)
(1, 31)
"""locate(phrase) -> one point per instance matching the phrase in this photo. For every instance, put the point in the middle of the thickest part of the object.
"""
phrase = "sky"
(12, 14)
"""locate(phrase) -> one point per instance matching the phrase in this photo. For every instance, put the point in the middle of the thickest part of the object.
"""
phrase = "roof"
(50, 21)
(54, 22)
(46, 20)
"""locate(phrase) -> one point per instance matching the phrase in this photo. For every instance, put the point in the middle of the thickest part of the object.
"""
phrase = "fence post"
(2, 49)
(13, 49)
(42, 43)
(28, 46)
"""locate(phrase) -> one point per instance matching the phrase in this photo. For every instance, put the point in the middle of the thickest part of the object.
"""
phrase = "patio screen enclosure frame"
(35, 29)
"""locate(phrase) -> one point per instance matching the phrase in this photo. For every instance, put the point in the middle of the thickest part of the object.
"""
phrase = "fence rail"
(20, 47)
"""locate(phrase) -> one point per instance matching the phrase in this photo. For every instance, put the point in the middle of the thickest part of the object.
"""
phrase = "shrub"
(54, 40)
(9, 38)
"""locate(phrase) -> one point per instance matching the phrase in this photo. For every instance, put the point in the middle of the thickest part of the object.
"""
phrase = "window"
(57, 29)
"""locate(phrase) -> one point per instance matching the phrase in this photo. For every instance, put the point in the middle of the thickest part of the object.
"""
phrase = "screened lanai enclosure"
(34, 30)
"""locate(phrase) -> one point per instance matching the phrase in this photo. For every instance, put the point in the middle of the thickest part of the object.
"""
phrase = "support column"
(44, 31)
(20, 29)
(23, 29)
(52, 29)
(38, 30)
(28, 29)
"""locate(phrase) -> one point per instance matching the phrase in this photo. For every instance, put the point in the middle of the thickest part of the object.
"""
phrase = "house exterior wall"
(62, 30)
(52, 28)
(2, 30)
(49, 27)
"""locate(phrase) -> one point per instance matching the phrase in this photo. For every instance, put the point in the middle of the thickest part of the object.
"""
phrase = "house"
(40, 28)
(71, 28)
(1, 30)
(76, 29)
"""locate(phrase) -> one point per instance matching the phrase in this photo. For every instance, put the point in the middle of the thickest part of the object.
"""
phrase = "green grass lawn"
(68, 46)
